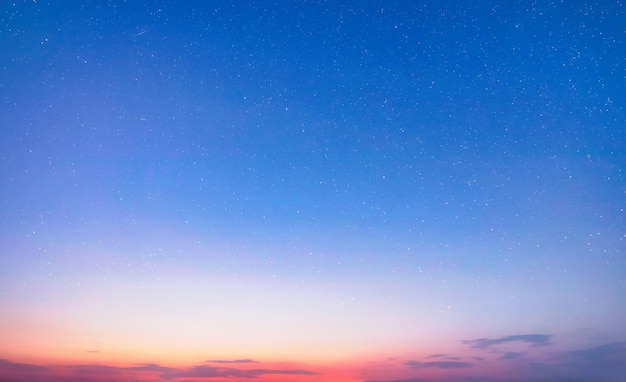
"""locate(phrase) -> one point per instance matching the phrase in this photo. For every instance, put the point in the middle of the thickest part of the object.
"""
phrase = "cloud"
(443, 356)
(231, 361)
(203, 371)
(437, 355)
(20, 372)
(511, 355)
(607, 353)
(532, 339)
(592, 363)
(603, 363)
(152, 367)
(496, 379)
(9, 366)
(96, 369)
(440, 364)
(403, 380)
(449, 379)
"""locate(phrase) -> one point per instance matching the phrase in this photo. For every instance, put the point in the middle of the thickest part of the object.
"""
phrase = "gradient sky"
(355, 191)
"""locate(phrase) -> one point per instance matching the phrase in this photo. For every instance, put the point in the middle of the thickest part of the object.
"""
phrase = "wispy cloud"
(96, 369)
(7, 366)
(532, 339)
(599, 363)
(231, 361)
(511, 355)
(440, 364)
(402, 380)
(204, 371)
(437, 355)
(21, 372)
(152, 367)
(607, 353)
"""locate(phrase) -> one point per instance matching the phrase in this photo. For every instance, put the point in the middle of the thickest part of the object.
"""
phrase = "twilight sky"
(350, 191)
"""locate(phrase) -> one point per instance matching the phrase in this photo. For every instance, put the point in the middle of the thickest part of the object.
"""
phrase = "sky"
(315, 191)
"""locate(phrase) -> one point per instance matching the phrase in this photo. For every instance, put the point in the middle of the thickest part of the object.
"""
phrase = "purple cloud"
(511, 355)
(404, 380)
(437, 355)
(532, 339)
(608, 353)
(96, 369)
(9, 366)
(440, 364)
(203, 371)
(20, 372)
(231, 361)
(151, 367)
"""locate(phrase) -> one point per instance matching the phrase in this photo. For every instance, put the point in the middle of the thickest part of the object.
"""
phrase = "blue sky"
(313, 186)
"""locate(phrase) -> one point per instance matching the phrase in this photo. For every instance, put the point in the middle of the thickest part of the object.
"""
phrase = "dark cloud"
(440, 364)
(557, 378)
(231, 361)
(443, 356)
(96, 369)
(20, 372)
(598, 363)
(603, 354)
(227, 372)
(532, 339)
(492, 379)
(9, 366)
(511, 355)
(437, 355)
(402, 380)
(449, 379)
(150, 367)
(605, 362)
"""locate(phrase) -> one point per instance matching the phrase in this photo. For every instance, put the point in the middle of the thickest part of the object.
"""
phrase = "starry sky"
(355, 191)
